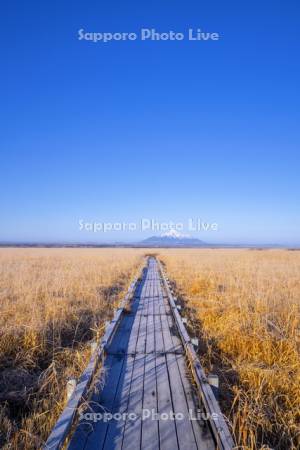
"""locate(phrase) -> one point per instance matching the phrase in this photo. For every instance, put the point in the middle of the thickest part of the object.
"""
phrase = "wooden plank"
(143, 297)
(156, 303)
(121, 339)
(134, 333)
(150, 436)
(132, 429)
(185, 432)
(159, 343)
(115, 431)
(142, 334)
(167, 429)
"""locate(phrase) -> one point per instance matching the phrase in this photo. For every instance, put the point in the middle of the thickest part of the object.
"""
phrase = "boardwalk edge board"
(217, 421)
(63, 426)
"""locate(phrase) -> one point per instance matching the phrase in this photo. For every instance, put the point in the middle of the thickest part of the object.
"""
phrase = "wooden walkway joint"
(151, 391)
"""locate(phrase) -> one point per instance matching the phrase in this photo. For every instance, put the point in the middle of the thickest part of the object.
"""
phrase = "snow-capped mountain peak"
(174, 234)
(173, 238)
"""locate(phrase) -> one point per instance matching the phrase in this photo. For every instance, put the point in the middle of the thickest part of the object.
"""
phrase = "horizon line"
(140, 244)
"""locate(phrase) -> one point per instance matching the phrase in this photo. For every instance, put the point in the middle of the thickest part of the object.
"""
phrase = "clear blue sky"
(163, 130)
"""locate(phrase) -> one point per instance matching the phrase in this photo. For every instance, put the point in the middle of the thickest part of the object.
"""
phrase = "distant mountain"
(173, 239)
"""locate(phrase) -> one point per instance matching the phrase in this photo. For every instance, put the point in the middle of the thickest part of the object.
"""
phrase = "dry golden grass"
(245, 306)
(53, 302)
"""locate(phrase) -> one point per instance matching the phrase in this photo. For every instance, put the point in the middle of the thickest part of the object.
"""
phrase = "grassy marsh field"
(242, 304)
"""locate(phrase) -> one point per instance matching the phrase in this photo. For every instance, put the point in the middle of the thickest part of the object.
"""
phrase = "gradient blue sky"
(163, 130)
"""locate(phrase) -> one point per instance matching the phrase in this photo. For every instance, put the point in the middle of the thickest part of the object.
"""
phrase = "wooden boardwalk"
(146, 388)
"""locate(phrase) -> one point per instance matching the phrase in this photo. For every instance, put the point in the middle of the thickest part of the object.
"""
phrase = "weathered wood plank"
(115, 431)
(150, 436)
(132, 429)
(167, 428)
(185, 432)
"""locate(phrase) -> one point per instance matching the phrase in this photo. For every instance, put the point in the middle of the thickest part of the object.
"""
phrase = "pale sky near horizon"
(167, 131)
